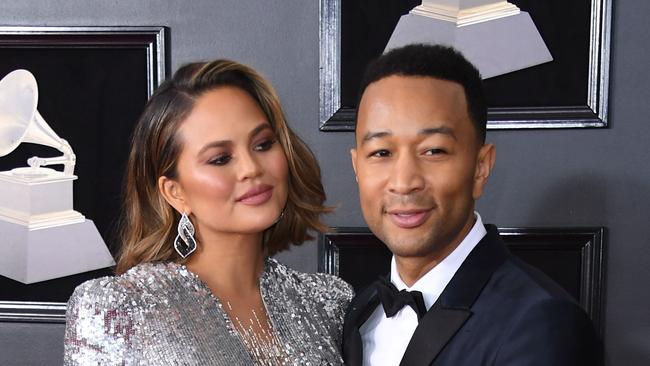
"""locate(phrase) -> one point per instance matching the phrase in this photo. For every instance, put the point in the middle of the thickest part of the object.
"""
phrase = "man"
(421, 162)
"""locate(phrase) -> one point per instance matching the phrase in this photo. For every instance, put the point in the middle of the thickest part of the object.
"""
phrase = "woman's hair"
(148, 225)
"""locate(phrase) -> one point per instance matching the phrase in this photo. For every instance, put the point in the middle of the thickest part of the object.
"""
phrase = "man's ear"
(484, 163)
(172, 192)
(353, 157)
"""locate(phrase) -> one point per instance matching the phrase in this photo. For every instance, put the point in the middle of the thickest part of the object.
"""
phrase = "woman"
(216, 183)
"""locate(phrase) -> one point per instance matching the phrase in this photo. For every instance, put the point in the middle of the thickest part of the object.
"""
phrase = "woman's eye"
(220, 160)
(380, 154)
(264, 145)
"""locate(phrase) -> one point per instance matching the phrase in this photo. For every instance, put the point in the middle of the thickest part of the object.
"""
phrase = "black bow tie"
(393, 301)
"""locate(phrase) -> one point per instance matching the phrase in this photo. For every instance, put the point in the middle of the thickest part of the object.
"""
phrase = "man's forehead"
(412, 105)
(409, 131)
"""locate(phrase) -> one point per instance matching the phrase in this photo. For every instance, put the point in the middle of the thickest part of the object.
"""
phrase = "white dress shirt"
(385, 339)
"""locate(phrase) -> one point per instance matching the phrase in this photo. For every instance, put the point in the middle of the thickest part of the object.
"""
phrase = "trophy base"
(34, 196)
(34, 255)
(495, 47)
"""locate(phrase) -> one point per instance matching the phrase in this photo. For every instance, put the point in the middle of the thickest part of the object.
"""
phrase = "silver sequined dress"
(163, 314)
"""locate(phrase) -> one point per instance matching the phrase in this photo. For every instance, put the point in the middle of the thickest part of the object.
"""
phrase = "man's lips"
(256, 195)
(408, 219)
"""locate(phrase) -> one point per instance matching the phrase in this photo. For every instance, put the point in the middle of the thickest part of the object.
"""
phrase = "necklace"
(261, 341)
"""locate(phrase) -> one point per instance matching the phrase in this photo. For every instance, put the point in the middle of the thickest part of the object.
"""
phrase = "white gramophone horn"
(21, 122)
(43, 237)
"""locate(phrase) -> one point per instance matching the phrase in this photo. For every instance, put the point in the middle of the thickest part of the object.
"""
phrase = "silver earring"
(184, 244)
(279, 217)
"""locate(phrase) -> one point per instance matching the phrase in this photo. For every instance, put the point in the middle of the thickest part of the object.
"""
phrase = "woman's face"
(232, 171)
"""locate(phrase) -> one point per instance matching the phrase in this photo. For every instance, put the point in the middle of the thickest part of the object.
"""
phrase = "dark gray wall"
(542, 178)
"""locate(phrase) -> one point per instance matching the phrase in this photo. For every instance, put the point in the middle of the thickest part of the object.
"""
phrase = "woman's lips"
(256, 195)
(408, 219)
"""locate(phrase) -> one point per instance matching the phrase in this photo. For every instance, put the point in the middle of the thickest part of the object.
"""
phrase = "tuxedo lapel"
(359, 311)
(436, 328)
(453, 308)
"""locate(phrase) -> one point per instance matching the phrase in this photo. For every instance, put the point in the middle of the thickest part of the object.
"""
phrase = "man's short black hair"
(434, 61)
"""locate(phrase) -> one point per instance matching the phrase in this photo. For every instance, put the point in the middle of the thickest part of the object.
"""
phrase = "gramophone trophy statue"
(495, 35)
(41, 236)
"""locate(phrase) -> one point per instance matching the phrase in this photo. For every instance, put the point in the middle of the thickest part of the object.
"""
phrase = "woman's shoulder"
(320, 285)
(103, 314)
(126, 287)
(97, 292)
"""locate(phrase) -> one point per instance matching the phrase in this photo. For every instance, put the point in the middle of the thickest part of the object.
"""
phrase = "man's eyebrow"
(435, 130)
(375, 135)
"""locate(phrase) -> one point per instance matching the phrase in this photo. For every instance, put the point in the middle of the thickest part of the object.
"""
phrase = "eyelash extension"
(219, 160)
(225, 159)
(268, 144)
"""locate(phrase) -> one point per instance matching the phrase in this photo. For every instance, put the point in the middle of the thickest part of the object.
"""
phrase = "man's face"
(419, 164)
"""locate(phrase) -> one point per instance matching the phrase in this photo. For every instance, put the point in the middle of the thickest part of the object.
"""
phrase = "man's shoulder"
(534, 307)
(519, 280)
(509, 276)
(512, 287)
(521, 314)
(518, 293)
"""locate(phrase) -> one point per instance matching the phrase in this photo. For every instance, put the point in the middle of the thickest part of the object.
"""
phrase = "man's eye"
(220, 160)
(434, 152)
(380, 154)
(264, 145)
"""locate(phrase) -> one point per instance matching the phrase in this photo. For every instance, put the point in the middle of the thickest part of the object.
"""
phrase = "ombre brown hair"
(148, 225)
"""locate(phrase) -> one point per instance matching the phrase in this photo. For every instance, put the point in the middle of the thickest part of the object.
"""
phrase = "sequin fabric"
(163, 314)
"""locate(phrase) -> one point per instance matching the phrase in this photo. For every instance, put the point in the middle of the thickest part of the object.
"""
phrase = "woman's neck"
(229, 264)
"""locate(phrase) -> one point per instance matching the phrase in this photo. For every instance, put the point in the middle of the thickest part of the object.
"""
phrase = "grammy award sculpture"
(495, 35)
(41, 236)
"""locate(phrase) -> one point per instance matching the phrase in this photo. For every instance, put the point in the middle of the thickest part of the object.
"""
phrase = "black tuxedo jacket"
(497, 311)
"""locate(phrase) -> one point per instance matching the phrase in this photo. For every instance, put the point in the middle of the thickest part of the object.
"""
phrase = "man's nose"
(405, 175)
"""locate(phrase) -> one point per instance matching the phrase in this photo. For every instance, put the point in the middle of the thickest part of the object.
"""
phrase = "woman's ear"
(172, 192)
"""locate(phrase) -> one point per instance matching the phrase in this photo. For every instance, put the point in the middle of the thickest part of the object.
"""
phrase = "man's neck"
(411, 269)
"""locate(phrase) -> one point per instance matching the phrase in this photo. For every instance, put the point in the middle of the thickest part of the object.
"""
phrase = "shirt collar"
(434, 282)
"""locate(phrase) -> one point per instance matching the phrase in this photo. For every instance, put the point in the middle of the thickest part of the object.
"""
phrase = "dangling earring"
(280, 217)
(184, 244)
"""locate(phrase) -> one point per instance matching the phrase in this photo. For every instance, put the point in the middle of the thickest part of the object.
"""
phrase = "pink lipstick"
(257, 195)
